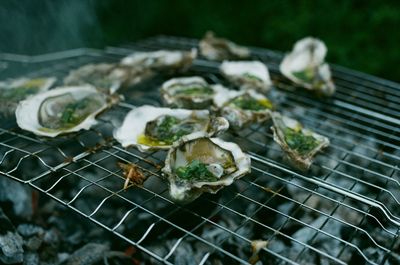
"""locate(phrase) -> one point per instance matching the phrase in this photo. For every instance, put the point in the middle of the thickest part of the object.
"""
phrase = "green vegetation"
(195, 171)
(299, 142)
(252, 77)
(195, 90)
(75, 112)
(248, 103)
(168, 131)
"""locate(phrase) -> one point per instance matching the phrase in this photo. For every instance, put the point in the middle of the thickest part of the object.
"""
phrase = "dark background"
(363, 35)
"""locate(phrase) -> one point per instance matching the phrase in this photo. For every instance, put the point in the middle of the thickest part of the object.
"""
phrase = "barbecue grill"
(344, 210)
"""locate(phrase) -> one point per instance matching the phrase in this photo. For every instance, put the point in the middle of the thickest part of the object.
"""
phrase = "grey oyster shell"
(299, 159)
(247, 74)
(219, 49)
(305, 65)
(224, 160)
(242, 108)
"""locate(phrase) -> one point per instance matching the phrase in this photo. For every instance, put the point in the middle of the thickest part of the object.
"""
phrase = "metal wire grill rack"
(349, 198)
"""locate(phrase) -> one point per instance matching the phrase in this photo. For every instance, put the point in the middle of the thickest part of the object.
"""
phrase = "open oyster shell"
(299, 144)
(161, 60)
(61, 110)
(247, 74)
(107, 78)
(197, 164)
(306, 66)
(14, 90)
(242, 108)
(220, 49)
(150, 128)
(187, 92)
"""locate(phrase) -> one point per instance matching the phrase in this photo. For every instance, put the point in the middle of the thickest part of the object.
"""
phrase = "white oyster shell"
(14, 90)
(247, 74)
(306, 66)
(217, 154)
(134, 126)
(32, 112)
(219, 49)
(242, 108)
(107, 78)
(299, 160)
(161, 60)
(175, 92)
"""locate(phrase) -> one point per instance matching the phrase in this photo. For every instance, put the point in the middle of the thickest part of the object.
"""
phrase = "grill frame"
(363, 102)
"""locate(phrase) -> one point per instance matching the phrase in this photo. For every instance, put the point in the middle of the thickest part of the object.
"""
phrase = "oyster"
(150, 128)
(220, 49)
(187, 92)
(61, 110)
(197, 164)
(161, 60)
(242, 108)
(15, 90)
(247, 74)
(306, 67)
(107, 78)
(299, 144)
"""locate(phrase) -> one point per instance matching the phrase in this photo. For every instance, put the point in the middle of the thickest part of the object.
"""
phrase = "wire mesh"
(344, 210)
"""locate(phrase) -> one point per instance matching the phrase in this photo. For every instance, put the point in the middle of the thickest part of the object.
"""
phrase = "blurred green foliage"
(363, 35)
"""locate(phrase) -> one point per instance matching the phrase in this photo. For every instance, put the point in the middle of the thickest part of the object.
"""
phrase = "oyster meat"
(219, 49)
(299, 144)
(61, 110)
(161, 60)
(150, 128)
(242, 108)
(107, 78)
(197, 164)
(187, 92)
(247, 74)
(15, 90)
(306, 66)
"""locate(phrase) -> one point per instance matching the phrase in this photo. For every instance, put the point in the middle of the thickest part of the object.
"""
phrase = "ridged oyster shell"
(219, 49)
(187, 92)
(107, 77)
(61, 110)
(197, 164)
(148, 127)
(299, 144)
(247, 74)
(305, 65)
(242, 108)
(14, 90)
(161, 59)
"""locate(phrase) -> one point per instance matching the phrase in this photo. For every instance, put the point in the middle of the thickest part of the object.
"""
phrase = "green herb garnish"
(168, 131)
(248, 103)
(299, 142)
(196, 171)
(306, 75)
(195, 90)
(251, 76)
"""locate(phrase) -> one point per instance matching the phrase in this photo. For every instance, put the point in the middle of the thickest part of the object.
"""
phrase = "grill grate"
(346, 209)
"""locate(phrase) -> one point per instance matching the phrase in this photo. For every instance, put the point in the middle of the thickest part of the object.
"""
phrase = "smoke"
(34, 27)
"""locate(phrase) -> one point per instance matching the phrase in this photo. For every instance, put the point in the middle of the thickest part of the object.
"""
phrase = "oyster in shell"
(197, 164)
(14, 90)
(161, 60)
(299, 144)
(247, 74)
(150, 128)
(241, 108)
(61, 110)
(219, 49)
(107, 78)
(187, 92)
(306, 66)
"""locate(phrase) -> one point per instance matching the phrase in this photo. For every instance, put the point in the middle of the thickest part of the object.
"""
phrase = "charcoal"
(88, 254)
(31, 258)
(20, 197)
(10, 242)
